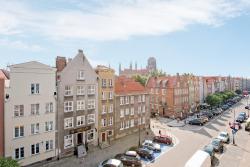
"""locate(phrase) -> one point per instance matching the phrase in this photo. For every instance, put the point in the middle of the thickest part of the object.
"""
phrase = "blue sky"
(205, 37)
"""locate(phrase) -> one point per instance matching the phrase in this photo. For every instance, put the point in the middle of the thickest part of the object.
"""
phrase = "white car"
(151, 145)
(111, 162)
(224, 137)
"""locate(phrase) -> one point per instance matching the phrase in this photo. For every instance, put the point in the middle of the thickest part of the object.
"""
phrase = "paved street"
(191, 138)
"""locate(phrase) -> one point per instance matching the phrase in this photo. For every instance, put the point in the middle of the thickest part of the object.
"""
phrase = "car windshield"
(223, 135)
(215, 142)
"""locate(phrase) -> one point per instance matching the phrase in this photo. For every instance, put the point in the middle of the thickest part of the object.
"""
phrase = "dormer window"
(80, 75)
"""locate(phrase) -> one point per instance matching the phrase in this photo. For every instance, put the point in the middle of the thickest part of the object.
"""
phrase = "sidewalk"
(99, 155)
(176, 123)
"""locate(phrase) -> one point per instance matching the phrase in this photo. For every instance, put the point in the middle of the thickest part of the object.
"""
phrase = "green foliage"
(134, 148)
(8, 162)
(238, 91)
(157, 73)
(141, 79)
(218, 98)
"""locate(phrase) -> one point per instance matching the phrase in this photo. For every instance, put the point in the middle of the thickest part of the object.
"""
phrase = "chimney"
(60, 63)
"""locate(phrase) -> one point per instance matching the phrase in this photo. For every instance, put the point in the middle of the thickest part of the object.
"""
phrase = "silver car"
(111, 163)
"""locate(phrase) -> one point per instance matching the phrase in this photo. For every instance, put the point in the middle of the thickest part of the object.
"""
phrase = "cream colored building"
(29, 116)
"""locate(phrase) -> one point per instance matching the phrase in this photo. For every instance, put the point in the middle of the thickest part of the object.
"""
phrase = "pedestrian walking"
(160, 132)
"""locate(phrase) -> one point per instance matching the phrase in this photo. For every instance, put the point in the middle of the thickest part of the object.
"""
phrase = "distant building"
(130, 72)
(30, 113)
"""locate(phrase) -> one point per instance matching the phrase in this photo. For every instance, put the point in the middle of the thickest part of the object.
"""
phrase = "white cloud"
(20, 45)
(115, 20)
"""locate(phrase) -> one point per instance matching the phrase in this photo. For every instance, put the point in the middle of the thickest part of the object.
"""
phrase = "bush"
(8, 162)
(134, 148)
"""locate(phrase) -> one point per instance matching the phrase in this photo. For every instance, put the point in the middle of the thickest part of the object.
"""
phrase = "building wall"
(1, 117)
(21, 77)
(105, 104)
(68, 77)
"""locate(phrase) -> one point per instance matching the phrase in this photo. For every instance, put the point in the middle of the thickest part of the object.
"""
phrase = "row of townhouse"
(177, 96)
(48, 113)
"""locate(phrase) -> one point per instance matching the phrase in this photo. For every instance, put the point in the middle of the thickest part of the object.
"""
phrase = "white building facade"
(30, 112)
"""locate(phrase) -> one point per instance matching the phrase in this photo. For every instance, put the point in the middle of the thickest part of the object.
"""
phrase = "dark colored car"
(218, 145)
(225, 107)
(163, 139)
(207, 113)
(210, 150)
(196, 122)
(240, 119)
(243, 114)
(215, 112)
(145, 153)
(247, 107)
(129, 160)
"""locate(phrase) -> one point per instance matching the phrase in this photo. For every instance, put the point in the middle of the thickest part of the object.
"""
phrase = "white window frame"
(68, 106)
(91, 118)
(121, 113)
(103, 122)
(127, 99)
(80, 120)
(132, 111)
(50, 144)
(19, 131)
(35, 88)
(132, 99)
(18, 110)
(20, 149)
(90, 132)
(91, 89)
(143, 120)
(110, 82)
(122, 101)
(104, 82)
(122, 125)
(80, 105)
(111, 121)
(143, 98)
(80, 75)
(132, 123)
(34, 128)
(143, 109)
(49, 126)
(34, 109)
(80, 90)
(68, 123)
(67, 140)
(91, 104)
(127, 111)
(68, 90)
(103, 109)
(111, 107)
(49, 107)
(110, 95)
(35, 149)
(103, 95)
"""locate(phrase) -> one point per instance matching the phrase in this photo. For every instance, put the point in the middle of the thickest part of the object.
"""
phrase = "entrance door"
(79, 138)
(103, 137)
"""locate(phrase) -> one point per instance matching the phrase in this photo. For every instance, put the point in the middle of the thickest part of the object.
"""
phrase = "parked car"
(129, 160)
(145, 153)
(225, 107)
(151, 145)
(111, 163)
(243, 114)
(240, 119)
(196, 121)
(207, 113)
(224, 136)
(163, 139)
(132, 154)
(210, 150)
(200, 158)
(247, 126)
(215, 112)
(218, 145)
(204, 119)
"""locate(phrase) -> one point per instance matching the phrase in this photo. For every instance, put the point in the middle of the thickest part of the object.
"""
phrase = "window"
(68, 122)
(132, 99)
(132, 123)
(143, 120)
(110, 133)
(49, 145)
(143, 109)
(121, 100)
(34, 128)
(48, 126)
(103, 96)
(91, 104)
(127, 124)
(139, 121)
(68, 106)
(122, 125)
(18, 110)
(19, 153)
(80, 120)
(103, 122)
(132, 111)
(80, 105)
(103, 109)
(35, 149)
(68, 141)
(111, 108)
(127, 99)
(143, 98)
(110, 121)
(127, 111)
(80, 90)
(90, 134)
(49, 107)
(139, 109)
(91, 89)
(68, 90)
(91, 118)
(122, 113)
(34, 88)
(34, 109)
(152, 90)
(139, 98)
(110, 82)
(19, 131)
(104, 83)
(80, 75)
(110, 95)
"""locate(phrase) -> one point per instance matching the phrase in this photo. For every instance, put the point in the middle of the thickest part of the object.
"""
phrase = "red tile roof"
(124, 85)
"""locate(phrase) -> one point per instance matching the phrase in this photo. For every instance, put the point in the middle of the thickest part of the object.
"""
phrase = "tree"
(157, 73)
(141, 79)
(8, 162)
(214, 100)
(238, 91)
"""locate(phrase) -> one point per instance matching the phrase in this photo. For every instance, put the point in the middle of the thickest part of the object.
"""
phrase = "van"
(199, 159)
(247, 126)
